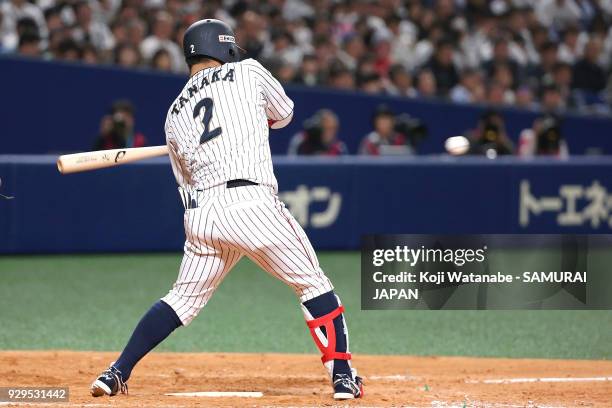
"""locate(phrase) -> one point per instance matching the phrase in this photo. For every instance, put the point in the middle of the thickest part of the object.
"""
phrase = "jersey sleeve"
(175, 159)
(279, 107)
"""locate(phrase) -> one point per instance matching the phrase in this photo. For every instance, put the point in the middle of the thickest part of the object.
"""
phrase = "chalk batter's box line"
(535, 380)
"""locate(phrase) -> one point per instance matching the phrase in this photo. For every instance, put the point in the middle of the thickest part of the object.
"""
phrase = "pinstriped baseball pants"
(231, 223)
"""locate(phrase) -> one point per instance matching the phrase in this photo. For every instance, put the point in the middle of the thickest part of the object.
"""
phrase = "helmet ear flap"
(234, 52)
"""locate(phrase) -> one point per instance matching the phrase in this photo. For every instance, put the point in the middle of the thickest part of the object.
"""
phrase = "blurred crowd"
(536, 54)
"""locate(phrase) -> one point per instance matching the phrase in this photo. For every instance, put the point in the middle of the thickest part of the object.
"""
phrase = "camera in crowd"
(119, 125)
(548, 137)
(117, 128)
(313, 130)
(491, 128)
(413, 128)
(319, 136)
(122, 113)
(490, 137)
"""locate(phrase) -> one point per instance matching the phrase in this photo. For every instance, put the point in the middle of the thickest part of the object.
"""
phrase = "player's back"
(217, 128)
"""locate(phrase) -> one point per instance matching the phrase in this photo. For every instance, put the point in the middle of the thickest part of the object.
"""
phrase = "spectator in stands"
(552, 100)
(161, 38)
(426, 84)
(309, 73)
(250, 33)
(503, 75)
(366, 66)
(520, 47)
(91, 30)
(540, 36)
(443, 67)
(548, 60)
(498, 94)
(26, 26)
(136, 32)
(525, 99)
(403, 34)
(282, 47)
(319, 137)
(470, 89)
(353, 50)
(562, 78)
(29, 44)
(384, 139)
(89, 54)
(127, 55)
(501, 57)
(490, 138)
(54, 40)
(370, 83)
(14, 10)
(117, 128)
(341, 78)
(53, 19)
(161, 60)
(557, 13)
(400, 82)
(545, 138)
(382, 53)
(68, 50)
(119, 30)
(324, 49)
(570, 49)
(588, 75)
(424, 48)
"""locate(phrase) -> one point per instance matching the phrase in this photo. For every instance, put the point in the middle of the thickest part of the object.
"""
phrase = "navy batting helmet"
(211, 38)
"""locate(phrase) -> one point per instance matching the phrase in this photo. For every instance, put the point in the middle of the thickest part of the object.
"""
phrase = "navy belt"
(192, 203)
(240, 183)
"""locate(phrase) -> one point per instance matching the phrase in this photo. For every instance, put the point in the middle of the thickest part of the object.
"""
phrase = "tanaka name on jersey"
(215, 76)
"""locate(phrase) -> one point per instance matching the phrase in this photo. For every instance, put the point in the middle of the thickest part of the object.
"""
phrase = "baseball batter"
(217, 134)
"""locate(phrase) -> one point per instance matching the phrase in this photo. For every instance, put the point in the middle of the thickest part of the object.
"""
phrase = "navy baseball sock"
(153, 328)
(320, 306)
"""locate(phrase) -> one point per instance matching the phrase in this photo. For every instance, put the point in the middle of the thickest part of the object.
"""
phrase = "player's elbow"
(283, 122)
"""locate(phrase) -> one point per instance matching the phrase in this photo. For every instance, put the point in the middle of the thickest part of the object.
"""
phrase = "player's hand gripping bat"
(73, 163)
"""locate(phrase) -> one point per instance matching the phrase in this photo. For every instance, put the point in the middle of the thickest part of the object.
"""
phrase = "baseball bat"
(73, 163)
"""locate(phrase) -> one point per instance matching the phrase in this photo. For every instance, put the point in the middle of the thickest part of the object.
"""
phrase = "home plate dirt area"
(298, 380)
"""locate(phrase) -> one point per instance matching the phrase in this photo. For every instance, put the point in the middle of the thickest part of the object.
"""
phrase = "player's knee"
(313, 287)
(185, 307)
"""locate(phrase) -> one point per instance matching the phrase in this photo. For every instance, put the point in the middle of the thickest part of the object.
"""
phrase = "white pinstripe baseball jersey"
(217, 131)
(217, 128)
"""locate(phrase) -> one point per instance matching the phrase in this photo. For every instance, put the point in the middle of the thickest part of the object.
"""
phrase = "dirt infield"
(299, 380)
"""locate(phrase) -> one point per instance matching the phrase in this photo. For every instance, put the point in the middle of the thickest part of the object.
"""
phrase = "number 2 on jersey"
(206, 104)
